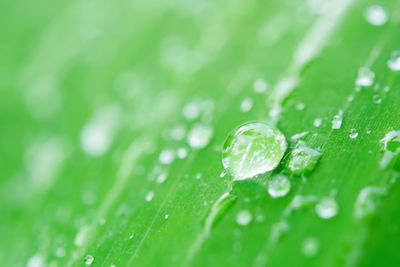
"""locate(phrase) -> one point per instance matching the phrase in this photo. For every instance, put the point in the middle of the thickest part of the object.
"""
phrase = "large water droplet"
(394, 61)
(89, 259)
(365, 77)
(302, 159)
(279, 186)
(376, 15)
(253, 148)
(327, 208)
(337, 120)
(200, 135)
(244, 217)
(310, 247)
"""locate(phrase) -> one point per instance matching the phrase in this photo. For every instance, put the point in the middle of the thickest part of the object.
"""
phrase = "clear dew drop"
(35, 261)
(353, 133)
(317, 122)
(260, 86)
(302, 159)
(310, 247)
(181, 153)
(166, 216)
(246, 104)
(131, 236)
(89, 259)
(394, 61)
(200, 135)
(251, 149)
(244, 217)
(365, 77)
(376, 15)
(376, 99)
(279, 186)
(300, 106)
(166, 156)
(337, 120)
(327, 208)
(191, 110)
(149, 196)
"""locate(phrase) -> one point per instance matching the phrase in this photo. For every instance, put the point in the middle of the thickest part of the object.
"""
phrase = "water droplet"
(298, 136)
(244, 217)
(350, 98)
(353, 133)
(150, 196)
(317, 122)
(310, 247)
(223, 173)
(368, 201)
(200, 135)
(166, 156)
(191, 110)
(177, 133)
(218, 209)
(35, 261)
(89, 259)
(376, 15)
(368, 131)
(162, 177)
(246, 104)
(260, 86)
(131, 236)
(302, 159)
(166, 216)
(279, 186)
(327, 208)
(300, 106)
(182, 152)
(60, 252)
(394, 61)
(337, 120)
(197, 175)
(253, 148)
(376, 99)
(365, 77)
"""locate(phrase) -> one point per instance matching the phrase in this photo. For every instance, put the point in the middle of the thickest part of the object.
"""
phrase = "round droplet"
(365, 77)
(244, 217)
(376, 15)
(394, 61)
(200, 135)
(353, 133)
(337, 120)
(302, 159)
(182, 152)
(150, 196)
(260, 86)
(376, 99)
(327, 208)
(310, 247)
(279, 186)
(253, 148)
(166, 156)
(89, 260)
(300, 106)
(246, 104)
(317, 122)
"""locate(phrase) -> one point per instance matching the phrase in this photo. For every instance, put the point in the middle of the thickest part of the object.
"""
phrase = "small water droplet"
(223, 173)
(60, 252)
(191, 110)
(246, 104)
(89, 259)
(337, 120)
(200, 135)
(166, 216)
(177, 133)
(350, 98)
(376, 15)
(162, 177)
(279, 186)
(131, 236)
(181, 152)
(35, 261)
(253, 148)
(197, 175)
(260, 86)
(376, 99)
(368, 131)
(368, 201)
(327, 208)
(166, 156)
(365, 77)
(244, 217)
(310, 247)
(302, 159)
(394, 62)
(353, 133)
(150, 196)
(298, 136)
(300, 106)
(317, 122)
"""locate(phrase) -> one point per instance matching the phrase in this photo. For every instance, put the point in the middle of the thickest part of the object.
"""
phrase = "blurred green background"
(94, 92)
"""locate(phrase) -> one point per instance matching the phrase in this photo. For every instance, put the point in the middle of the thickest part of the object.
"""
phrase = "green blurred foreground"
(114, 114)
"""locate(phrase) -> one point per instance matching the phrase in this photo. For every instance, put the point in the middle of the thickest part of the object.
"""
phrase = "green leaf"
(115, 113)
